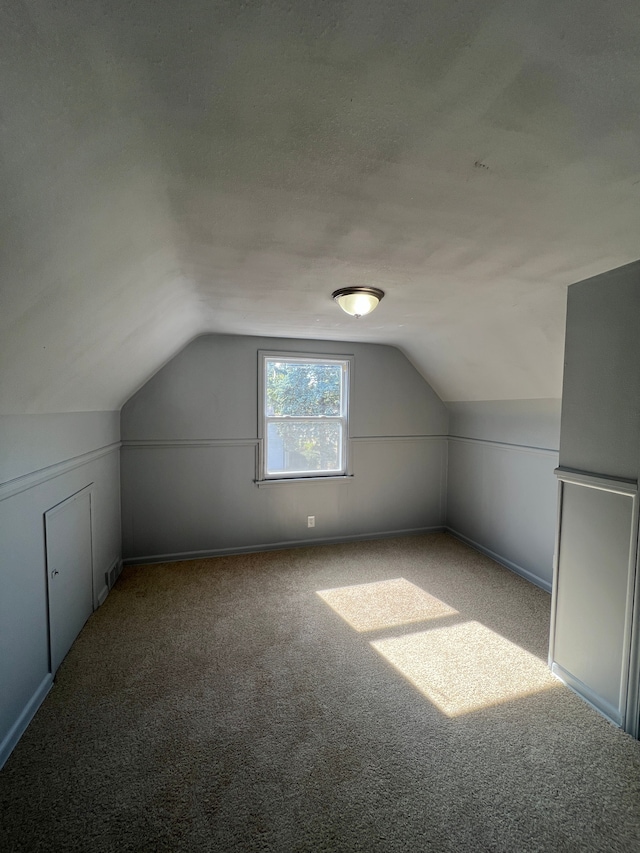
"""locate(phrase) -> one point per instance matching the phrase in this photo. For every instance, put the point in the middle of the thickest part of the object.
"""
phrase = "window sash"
(283, 472)
(266, 420)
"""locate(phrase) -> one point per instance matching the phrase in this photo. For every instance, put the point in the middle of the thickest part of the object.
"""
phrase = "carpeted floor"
(224, 705)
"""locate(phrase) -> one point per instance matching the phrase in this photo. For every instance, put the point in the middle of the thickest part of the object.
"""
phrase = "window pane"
(304, 447)
(303, 389)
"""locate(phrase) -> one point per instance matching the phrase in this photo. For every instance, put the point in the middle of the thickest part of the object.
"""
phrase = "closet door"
(594, 618)
(69, 572)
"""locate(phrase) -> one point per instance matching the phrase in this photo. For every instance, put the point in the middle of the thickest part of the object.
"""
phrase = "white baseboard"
(509, 564)
(110, 577)
(104, 592)
(28, 713)
(277, 546)
(586, 693)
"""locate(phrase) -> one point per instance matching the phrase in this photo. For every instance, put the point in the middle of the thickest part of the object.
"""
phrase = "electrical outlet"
(311, 521)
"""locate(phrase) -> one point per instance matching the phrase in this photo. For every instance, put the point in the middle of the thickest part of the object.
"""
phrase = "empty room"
(319, 426)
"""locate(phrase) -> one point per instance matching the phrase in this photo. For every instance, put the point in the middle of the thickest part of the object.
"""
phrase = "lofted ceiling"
(170, 169)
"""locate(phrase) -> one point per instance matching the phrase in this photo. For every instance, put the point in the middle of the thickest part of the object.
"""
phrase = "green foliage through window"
(305, 416)
(308, 389)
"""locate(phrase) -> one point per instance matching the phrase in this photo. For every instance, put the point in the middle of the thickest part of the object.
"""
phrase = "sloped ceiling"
(170, 169)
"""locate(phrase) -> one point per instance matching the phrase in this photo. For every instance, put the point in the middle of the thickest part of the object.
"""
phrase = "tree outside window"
(305, 416)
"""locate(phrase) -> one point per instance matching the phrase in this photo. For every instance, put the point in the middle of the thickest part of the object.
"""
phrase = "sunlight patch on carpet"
(466, 667)
(384, 604)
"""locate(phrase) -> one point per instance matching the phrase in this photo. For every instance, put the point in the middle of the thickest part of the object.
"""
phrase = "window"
(304, 415)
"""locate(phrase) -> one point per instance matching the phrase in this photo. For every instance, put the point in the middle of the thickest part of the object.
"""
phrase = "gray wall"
(601, 396)
(45, 459)
(501, 490)
(189, 455)
(592, 647)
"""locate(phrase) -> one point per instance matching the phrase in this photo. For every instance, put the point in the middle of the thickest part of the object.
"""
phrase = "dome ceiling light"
(358, 301)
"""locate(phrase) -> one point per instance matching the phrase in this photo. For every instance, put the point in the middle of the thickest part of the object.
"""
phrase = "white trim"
(24, 718)
(586, 694)
(444, 482)
(277, 546)
(505, 445)
(347, 362)
(596, 481)
(113, 573)
(114, 570)
(20, 484)
(325, 478)
(94, 597)
(51, 513)
(632, 716)
(61, 505)
(628, 710)
(508, 564)
(151, 444)
(363, 438)
(554, 588)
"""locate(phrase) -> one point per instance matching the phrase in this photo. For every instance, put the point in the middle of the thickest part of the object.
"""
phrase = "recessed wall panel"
(591, 642)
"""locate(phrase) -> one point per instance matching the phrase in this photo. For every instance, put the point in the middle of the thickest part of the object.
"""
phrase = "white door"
(69, 572)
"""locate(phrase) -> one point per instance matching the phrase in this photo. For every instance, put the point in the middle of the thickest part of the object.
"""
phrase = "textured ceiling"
(169, 169)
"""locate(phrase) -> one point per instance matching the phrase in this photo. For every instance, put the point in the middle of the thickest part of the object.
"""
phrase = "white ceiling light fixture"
(358, 301)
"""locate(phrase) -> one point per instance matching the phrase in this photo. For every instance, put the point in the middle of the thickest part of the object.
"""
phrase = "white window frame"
(346, 361)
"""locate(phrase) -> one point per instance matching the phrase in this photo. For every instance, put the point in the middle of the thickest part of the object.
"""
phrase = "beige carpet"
(380, 696)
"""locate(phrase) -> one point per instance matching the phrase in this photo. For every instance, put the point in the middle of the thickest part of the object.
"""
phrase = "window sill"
(339, 478)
